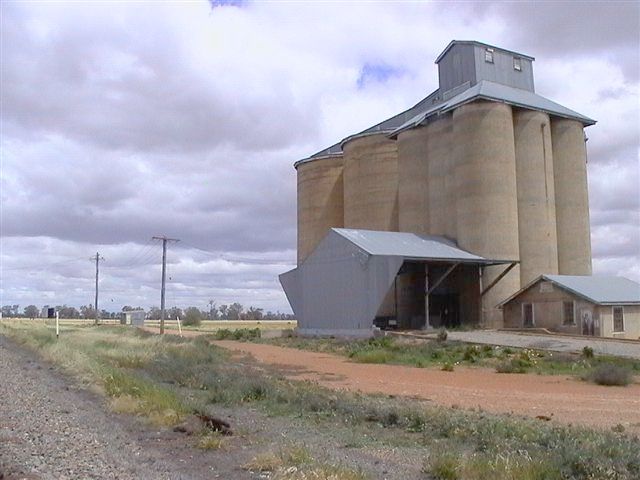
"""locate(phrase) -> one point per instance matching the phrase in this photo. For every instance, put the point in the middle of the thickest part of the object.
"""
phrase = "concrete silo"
(320, 201)
(371, 183)
(442, 188)
(371, 191)
(536, 198)
(484, 161)
(487, 207)
(572, 199)
(413, 181)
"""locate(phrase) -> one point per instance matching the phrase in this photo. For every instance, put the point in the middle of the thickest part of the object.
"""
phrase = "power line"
(145, 249)
(46, 265)
(245, 260)
(164, 274)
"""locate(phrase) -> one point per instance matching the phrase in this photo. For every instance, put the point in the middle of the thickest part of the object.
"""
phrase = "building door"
(444, 310)
(527, 314)
(587, 322)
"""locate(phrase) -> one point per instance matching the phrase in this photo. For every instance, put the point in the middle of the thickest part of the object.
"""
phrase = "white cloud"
(125, 120)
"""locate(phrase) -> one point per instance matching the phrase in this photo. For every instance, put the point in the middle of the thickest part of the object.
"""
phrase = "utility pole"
(97, 258)
(164, 275)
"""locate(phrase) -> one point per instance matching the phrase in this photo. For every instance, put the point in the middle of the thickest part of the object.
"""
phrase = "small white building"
(133, 317)
(601, 306)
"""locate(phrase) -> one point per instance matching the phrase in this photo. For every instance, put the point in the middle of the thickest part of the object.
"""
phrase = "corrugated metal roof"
(386, 126)
(411, 246)
(486, 90)
(599, 288)
(479, 44)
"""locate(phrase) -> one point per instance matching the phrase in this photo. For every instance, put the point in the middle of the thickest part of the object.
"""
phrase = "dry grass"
(166, 378)
(296, 463)
(265, 462)
(211, 441)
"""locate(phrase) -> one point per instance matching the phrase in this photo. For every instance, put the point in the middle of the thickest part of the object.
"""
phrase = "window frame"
(613, 318)
(517, 64)
(564, 312)
(488, 55)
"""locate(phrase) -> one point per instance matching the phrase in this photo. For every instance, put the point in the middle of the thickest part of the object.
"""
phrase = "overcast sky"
(124, 120)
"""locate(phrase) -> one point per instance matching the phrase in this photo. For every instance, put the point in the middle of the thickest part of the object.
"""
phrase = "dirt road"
(566, 400)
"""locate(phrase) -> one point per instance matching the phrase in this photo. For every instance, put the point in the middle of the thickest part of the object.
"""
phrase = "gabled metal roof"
(486, 90)
(479, 44)
(412, 246)
(600, 289)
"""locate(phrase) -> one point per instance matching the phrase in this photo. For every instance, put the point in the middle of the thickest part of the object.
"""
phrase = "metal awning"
(411, 246)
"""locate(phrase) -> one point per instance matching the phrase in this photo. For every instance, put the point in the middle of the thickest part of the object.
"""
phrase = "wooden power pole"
(164, 276)
(97, 258)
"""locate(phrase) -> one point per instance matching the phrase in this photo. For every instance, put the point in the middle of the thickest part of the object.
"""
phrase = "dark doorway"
(444, 310)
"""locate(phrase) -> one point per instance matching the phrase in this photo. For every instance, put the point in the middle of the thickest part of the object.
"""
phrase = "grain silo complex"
(435, 216)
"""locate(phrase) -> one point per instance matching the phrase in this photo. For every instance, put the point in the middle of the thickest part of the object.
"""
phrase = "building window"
(568, 317)
(517, 64)
(618, 319)
(527, 314)
(488, 55)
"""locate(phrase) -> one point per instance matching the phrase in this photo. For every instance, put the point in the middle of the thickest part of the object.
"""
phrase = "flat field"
(205, 325)
(299, 429)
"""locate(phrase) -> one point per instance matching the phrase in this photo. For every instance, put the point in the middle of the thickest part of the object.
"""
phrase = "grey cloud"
(117, 127)
(565, 28)
(125, 86)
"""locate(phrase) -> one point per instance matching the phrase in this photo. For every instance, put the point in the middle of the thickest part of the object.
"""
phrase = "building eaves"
(480, 44)
(597, 289)
(486, 90)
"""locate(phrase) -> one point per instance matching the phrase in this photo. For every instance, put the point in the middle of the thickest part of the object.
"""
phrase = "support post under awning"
(430, 288)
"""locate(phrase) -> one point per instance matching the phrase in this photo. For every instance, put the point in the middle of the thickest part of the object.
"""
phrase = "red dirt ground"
(565, 399)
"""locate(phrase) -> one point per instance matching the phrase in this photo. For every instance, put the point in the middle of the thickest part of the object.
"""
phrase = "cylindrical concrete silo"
(413, 181)
(536, 198)
(371, 183)
(442, 194)
(371, 190)
(487, 206)
(572, 199)
(320, 201)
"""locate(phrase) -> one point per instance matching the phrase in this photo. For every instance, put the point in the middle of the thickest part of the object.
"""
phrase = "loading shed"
(357, 279)
(595, 305)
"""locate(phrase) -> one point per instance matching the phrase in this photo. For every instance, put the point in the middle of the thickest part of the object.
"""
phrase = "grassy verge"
(449, 354)
(166, 378)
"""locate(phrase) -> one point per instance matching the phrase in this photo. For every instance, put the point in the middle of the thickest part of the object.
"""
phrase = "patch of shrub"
(242, 334)
(443, 466)
(192, 317)
(372, 356)
(447, 367)
(587, 352)
(515, 365)
(610, 375)
(442, 335)
(470, 353)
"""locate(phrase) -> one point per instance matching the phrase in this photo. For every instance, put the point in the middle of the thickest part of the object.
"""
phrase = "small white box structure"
(133, 317)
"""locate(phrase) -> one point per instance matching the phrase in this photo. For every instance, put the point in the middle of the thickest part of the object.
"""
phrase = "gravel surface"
(50, 429)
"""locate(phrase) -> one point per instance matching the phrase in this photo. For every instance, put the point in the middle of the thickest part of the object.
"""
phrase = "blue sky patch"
(377, 73)
(228, 3)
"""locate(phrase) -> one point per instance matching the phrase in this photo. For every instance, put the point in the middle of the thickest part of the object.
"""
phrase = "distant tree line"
(235, 311)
